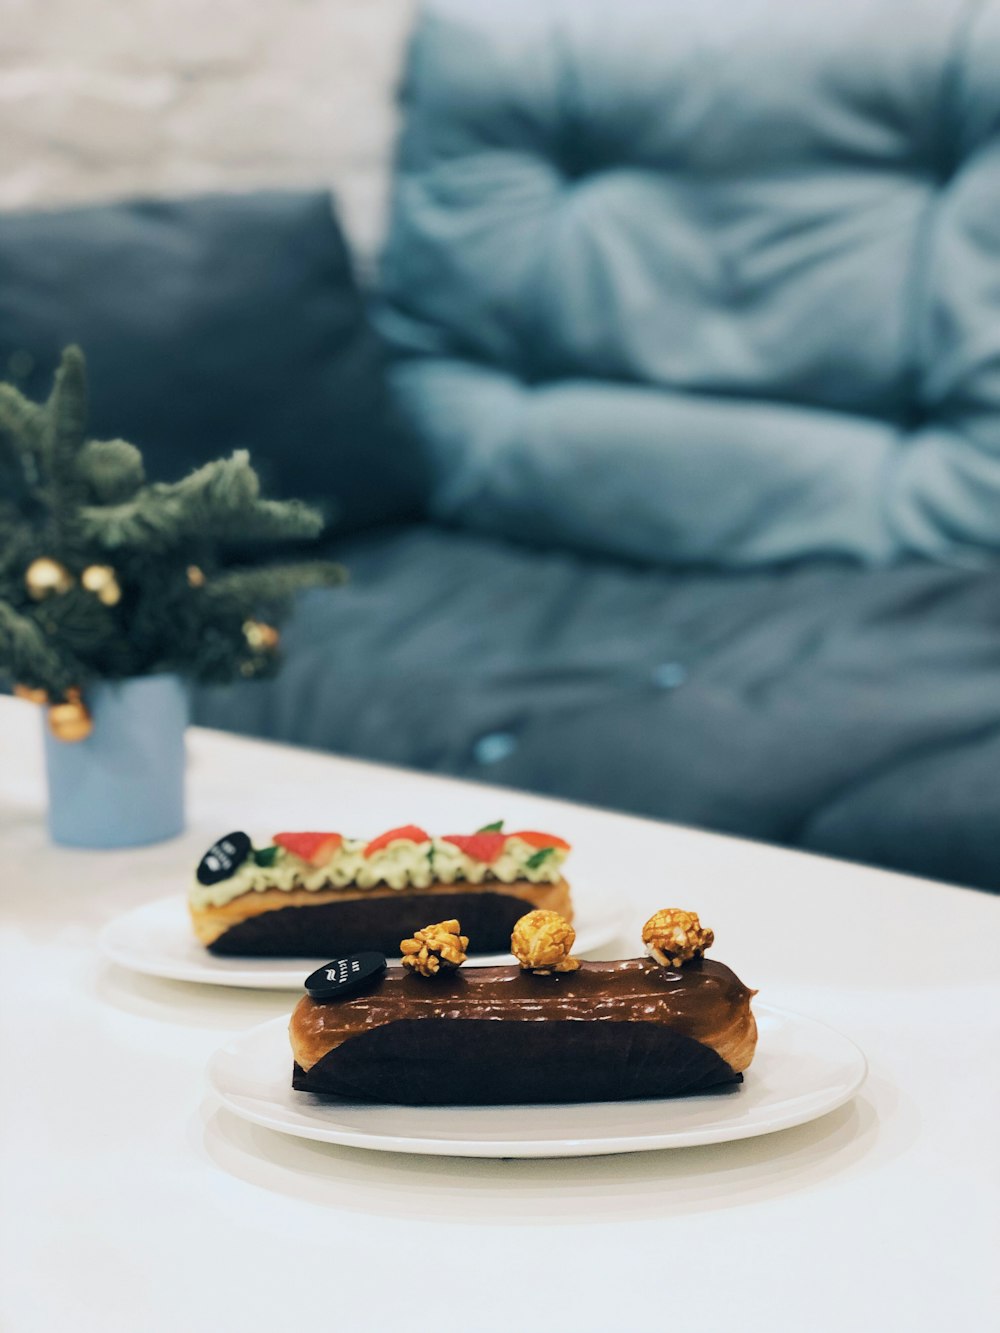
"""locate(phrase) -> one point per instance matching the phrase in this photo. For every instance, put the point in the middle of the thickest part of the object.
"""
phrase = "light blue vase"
(124, 785)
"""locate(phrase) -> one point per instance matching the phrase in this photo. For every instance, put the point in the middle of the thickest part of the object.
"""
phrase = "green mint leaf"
(265, 856)
(533, 862)
(430, 852)
(491, 828)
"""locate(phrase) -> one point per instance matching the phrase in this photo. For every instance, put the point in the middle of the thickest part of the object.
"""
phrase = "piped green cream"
(401, 864)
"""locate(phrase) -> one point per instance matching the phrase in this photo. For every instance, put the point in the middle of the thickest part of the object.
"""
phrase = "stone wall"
(107, 98)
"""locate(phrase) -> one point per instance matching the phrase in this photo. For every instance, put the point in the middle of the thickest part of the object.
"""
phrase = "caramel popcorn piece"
(673, 937)
(542, 941)
(435, 947)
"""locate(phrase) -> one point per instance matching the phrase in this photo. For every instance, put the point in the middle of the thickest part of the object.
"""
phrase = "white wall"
(106, 98)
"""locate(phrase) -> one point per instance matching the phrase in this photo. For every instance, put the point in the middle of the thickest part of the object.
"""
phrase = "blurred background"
(642, 362)
(104, 101)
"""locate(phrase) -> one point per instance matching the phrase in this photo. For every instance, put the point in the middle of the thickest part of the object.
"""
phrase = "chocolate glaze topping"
(699, 999)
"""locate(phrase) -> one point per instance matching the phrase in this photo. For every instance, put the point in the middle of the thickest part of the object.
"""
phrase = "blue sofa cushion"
(212, 324)
(846, 711)
(705, 283)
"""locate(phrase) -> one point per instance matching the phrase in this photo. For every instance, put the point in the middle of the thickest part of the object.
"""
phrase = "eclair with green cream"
(312, 893)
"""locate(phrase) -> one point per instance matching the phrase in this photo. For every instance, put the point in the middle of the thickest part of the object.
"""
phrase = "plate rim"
(609, 919)
(540, 1148)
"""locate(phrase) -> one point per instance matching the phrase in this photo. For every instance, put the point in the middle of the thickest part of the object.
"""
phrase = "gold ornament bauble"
(46, 577)
(260, 637)
(70, 721)
(195, 576)
(30, 694)
(102, 581)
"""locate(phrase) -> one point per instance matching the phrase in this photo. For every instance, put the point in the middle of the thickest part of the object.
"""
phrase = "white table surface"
(132, 1203)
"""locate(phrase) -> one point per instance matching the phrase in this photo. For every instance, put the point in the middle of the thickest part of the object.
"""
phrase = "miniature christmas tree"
(105, 576)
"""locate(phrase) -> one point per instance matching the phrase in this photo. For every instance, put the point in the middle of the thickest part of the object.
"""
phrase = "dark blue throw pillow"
(212, 324)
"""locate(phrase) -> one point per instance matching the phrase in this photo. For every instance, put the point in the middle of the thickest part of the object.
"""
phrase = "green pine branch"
(272, 587)
(154, 521)
(112, 471)
(221, 498)
(63, 437)
(271, 521)
(29, 658)
(78, 621)
(18, 542)
(22, 425)
(21, 420)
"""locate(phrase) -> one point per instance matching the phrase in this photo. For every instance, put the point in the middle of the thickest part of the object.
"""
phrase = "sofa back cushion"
(212, 324)
(714, 282)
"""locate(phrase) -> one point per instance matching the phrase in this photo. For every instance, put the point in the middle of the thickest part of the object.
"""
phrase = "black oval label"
(223, 858)
(344, 976)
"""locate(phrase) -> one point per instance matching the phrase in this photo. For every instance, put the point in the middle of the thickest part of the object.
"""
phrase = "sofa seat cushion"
(817, 706)
(733, 263)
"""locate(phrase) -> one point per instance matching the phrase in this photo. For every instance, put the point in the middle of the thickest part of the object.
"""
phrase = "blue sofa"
(683, 495)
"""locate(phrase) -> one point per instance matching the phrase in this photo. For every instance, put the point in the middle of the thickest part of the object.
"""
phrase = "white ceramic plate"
(802, 1070)
(157, 939)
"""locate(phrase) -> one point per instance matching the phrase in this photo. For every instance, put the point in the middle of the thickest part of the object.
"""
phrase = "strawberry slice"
(316, 848)
(485, 847)
(541, 840)
(409, 833)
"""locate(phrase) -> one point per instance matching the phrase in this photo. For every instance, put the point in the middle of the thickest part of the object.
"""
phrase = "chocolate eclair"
(306, 895)
(548, 1029)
